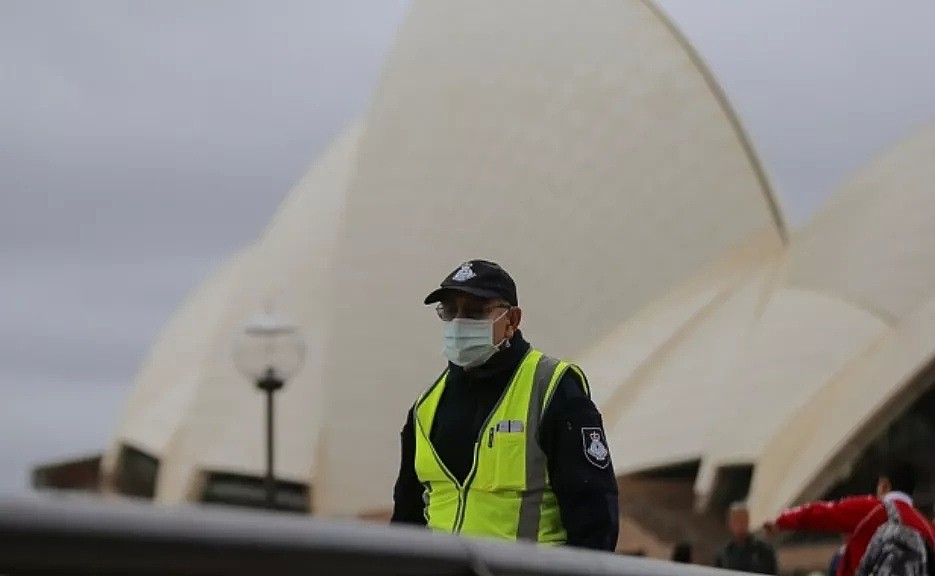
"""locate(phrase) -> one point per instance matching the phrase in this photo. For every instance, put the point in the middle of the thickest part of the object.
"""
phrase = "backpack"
(894, 550)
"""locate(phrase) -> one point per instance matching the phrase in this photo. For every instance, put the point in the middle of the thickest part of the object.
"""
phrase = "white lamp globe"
(269, 346)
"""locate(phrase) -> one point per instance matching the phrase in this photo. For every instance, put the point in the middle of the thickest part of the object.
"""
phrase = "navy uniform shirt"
(749, 555)
(586, 489)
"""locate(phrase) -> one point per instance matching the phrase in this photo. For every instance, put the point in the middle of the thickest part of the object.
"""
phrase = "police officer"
(507, 442)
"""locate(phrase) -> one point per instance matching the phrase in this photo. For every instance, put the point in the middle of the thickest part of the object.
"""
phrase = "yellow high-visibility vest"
(507, 493)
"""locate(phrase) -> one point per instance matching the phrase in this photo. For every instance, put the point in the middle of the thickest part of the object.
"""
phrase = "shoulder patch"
(595, 446)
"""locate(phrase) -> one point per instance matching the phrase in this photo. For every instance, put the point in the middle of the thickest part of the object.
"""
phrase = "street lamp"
(269, 350)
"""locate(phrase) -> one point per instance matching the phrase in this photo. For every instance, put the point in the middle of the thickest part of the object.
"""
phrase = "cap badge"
(464, 273)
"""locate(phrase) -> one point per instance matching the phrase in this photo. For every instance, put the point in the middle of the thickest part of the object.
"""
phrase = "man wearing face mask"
(506, 443)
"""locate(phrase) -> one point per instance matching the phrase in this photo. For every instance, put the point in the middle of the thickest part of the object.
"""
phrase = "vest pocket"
(509, 460)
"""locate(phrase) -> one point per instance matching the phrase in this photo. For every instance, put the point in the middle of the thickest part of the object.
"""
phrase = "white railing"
(58, 534)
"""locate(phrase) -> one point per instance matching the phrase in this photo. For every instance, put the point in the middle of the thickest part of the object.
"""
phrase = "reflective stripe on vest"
(507, 493)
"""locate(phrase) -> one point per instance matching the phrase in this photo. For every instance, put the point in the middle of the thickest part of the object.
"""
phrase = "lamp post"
(269, 350)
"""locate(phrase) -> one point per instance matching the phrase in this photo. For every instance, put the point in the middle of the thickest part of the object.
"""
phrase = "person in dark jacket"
(451, 429)
(745, 552)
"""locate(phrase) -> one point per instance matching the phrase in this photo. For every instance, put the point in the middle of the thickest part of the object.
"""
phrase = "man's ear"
(516, 316)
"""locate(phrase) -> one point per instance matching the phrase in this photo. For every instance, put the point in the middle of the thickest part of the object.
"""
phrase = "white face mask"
(469, 343)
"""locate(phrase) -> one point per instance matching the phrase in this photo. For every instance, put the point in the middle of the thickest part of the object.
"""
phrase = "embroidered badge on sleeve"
(595, 447)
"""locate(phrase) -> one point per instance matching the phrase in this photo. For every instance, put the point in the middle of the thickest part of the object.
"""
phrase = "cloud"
(140, 144)
(84, 320)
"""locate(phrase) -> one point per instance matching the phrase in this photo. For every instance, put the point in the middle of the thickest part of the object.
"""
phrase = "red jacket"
(858, 516)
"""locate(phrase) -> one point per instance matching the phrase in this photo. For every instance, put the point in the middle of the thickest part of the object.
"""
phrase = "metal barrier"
(76, 535)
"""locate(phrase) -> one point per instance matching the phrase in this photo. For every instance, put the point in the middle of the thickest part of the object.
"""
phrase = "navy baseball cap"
(480, 278)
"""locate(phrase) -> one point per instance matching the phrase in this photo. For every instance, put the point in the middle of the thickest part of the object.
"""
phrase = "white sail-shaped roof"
(192, 409)
(795, 367)
(169, 377)
(871, 248)
(587, 149)
(581, 145)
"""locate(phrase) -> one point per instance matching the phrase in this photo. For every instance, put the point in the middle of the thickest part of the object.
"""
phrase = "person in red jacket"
(860, 516)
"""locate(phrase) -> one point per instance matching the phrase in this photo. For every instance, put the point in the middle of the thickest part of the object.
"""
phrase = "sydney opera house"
(587, 148)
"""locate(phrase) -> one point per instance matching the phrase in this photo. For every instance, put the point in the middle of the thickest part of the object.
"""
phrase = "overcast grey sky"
(140, 143)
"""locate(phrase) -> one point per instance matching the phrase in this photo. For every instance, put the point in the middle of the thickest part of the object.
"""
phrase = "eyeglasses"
(448, 311)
